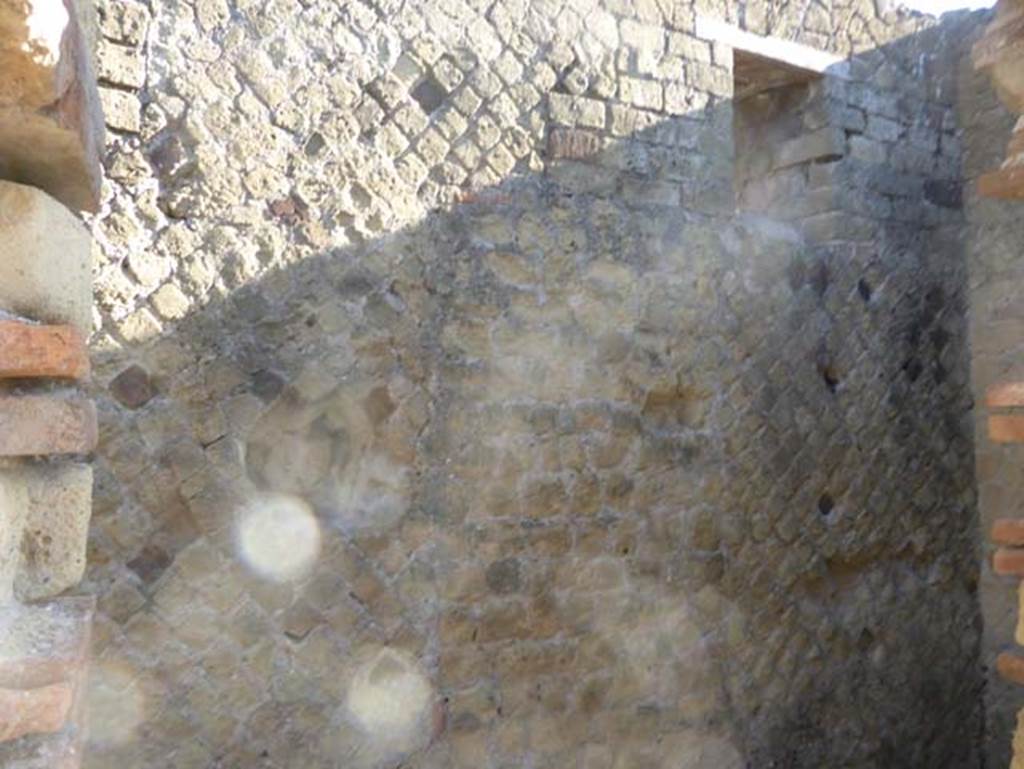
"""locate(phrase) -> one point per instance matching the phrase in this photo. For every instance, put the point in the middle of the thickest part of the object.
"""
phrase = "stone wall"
(450, 416)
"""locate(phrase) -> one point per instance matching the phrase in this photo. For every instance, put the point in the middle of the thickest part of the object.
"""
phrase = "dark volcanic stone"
(132, 387)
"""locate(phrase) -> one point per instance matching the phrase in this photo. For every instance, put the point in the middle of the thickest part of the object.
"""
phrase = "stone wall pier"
(51, 136)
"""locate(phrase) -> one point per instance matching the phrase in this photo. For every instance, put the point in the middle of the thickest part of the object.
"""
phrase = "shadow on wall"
(584, 467)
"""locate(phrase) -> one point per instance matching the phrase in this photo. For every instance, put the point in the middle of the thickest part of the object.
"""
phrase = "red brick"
(1005, 394)
(1006, 428)
(41, 351)
(1008, 531)
(1009, 562)
(1011, 667)
(33, 425)
(34, 672)
(34, 711)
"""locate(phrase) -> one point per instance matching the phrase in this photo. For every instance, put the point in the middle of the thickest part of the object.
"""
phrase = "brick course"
(33, 425)
(28, 350)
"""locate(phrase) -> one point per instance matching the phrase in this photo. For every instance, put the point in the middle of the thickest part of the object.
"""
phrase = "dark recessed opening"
(866, 640)
(830, 377)
(940, 337)
(314, 144)
(913, 368)
(429, 94)
(266, 385)
(865, 290)
(825, 504)
(817, 278)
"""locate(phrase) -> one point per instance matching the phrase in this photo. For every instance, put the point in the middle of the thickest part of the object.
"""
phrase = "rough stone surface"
(28, 350)
(45, 261)
(1018, 743)
(996, 330)
(44, 652)
(998, 54)
(13, 505)
(53, 543)
(51, 127)
(33, 425)
(132, 388)
(619, 477)
(1018, 634)
(33, 711)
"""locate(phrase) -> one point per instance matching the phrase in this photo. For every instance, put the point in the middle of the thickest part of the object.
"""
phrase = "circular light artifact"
(391, 699)
(278, 537)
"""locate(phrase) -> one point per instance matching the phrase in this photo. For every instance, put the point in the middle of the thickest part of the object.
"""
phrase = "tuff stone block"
(28, 350)
(32, 425)
(572, 144)
(576, 110)
(122, 111)
(124, 22)
(51, 126)
(59, 632)
(122, 66)
(13, 504)
(133, 387)
(56, 529)
(825, 144)
(1019, 632)
(45, 262)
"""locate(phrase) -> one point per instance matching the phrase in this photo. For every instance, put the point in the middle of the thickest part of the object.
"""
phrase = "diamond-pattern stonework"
(474, 426)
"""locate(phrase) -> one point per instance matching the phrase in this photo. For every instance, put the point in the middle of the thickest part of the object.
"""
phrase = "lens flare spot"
(279, 537)
(115, 703)
(391, 700)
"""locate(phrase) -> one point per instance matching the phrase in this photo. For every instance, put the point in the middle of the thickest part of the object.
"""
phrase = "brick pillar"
(51, 136)
(1005, 403)
(1000, 55)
